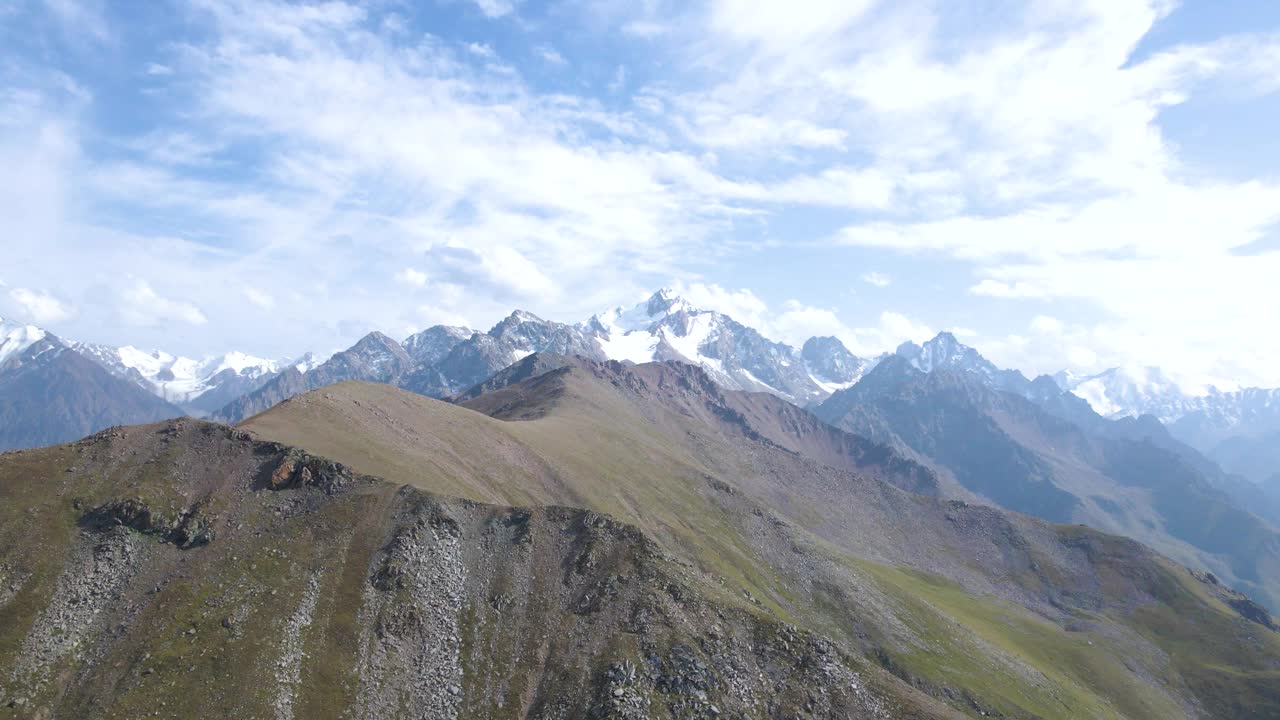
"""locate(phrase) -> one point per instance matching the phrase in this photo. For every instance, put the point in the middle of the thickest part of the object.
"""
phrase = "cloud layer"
(330, 168)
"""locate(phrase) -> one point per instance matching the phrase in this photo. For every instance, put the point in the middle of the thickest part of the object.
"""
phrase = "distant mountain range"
(49, 393)
(444, 360)
(993, 435)
(571, 534)
(1240, 431)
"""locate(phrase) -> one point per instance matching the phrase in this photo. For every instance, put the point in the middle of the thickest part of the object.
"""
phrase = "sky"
(1062, 183)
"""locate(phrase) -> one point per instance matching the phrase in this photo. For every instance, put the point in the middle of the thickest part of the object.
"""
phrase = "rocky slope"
(185, 569)
(986, 612)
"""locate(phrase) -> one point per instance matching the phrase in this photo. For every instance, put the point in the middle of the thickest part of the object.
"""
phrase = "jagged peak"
(375, 340)
(515, 319)
(946, 337)
(666, 301)
(824, 342)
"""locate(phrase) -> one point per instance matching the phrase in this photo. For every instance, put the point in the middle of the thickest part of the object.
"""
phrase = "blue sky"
(1063, 183)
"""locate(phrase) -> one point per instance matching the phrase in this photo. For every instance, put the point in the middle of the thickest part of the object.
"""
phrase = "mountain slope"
(51, 394)
(186, 570)
(984, 610)
(1012, 452)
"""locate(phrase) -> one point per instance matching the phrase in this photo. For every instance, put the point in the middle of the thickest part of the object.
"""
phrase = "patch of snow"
(831, 387)
(636, 346)
(16, 337)
(693, 336)
(241, 364)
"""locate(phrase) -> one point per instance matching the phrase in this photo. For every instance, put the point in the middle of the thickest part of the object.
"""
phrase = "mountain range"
(579, 539)
(1228, 438)
(653, 513)
(1235, 429)
(49, 393)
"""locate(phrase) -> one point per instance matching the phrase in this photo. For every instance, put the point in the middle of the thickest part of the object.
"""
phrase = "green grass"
(1038, 669)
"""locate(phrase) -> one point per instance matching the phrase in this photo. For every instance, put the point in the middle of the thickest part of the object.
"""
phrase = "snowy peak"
(378, 352)
(830, 363)
(945, 352)
(1131, 391)
(514, 321)
(641, 317)
(15, 338)
(434, 343)
(665, 302)
(667, 327)
(176, 378)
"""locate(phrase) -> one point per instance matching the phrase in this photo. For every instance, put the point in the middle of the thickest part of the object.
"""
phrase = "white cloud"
(878, 279)
(1028, 152)
(409, 276)
(481, 50)
(794, 322)
(995, 288)
(742, 305)
(495, 8)
(158, 69)
(551, 55)
(259, 298)
(140, 305)
(645, 28)
(40, 307)
(785, 27)
(81, 18)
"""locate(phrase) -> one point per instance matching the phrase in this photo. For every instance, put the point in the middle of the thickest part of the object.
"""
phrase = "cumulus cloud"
(495, 8)
(40, 307)
(550, 55)
(742, 304)
(140, 305)
(996, 288)
(259, 298)
(1028, 155)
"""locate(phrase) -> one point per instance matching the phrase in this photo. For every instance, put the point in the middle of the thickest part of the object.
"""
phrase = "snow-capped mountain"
(51, 394)
(374, 358)
(202, 385)
(1239, 430)
(431, 345)
(1130, 391)
(16, 337)
(945, 352)
(668, 327)
(444, 360)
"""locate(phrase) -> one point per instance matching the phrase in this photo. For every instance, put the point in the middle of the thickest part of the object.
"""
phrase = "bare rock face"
(297, 469)
(185, 529)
